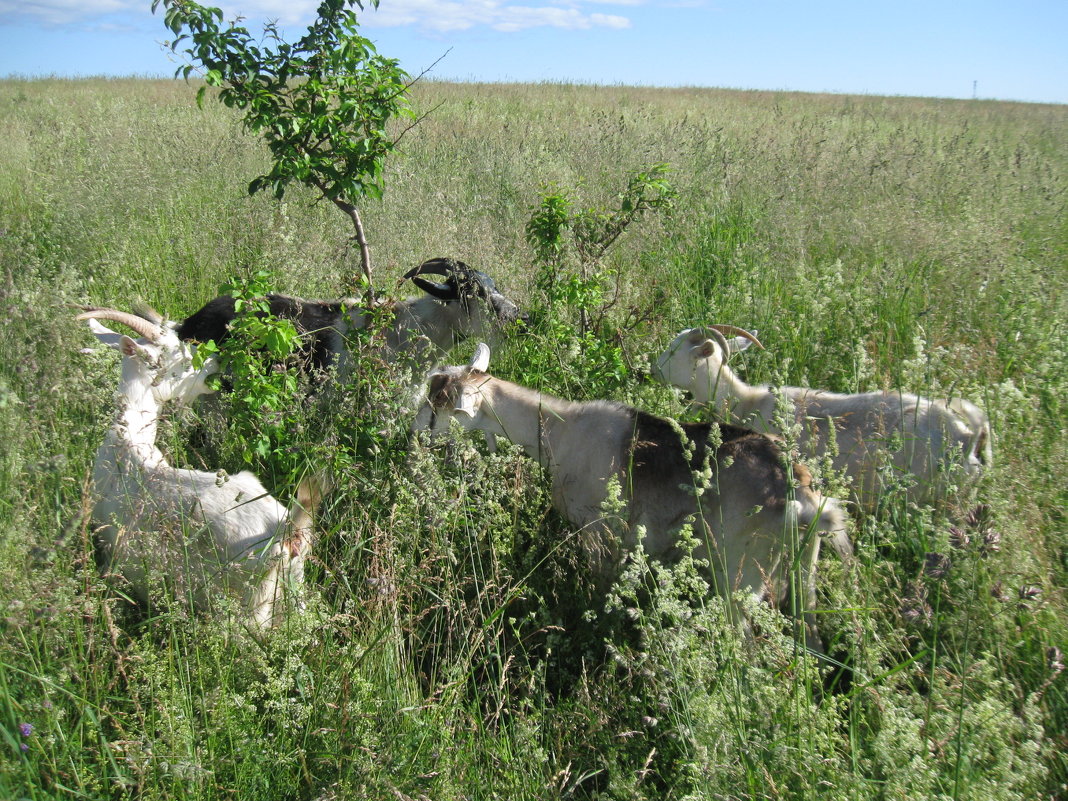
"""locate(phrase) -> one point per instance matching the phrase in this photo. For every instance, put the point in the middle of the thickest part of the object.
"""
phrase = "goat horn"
(439, 266)
(435, 288)
(739, 332)
(142, 326)
(480, 360)
(142, 309)
(713, 331)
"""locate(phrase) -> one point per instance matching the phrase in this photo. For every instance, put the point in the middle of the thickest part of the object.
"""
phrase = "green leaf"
(204, 352)
(276, 342)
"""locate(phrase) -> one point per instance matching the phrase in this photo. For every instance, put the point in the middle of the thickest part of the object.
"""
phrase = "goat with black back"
(465, 303)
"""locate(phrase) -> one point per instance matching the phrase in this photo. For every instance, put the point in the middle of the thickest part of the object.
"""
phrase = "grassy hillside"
(451, 648)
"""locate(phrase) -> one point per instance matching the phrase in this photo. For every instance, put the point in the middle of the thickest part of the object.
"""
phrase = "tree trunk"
(361, 239)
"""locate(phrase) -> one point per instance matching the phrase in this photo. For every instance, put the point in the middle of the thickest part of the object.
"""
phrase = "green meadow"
(450, 647)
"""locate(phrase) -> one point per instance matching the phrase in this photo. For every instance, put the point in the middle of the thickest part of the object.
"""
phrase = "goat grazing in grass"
(203, 533)
(747, 506)
(466, 303)
(926, 437)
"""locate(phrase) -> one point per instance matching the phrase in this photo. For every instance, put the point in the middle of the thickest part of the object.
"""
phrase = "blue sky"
(1005, 50)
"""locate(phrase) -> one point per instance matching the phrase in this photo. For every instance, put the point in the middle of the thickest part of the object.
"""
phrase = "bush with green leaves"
(574, 337)
(268, 405)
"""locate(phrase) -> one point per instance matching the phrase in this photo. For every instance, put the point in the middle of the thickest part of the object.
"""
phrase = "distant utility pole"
(975, 89)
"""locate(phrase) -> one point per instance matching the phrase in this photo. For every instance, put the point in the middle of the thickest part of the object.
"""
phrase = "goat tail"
(826, 516)
(310, 492)
(832, 523)
(984, 446)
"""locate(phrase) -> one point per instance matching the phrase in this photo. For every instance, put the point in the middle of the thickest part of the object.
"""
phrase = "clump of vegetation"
(575, 339)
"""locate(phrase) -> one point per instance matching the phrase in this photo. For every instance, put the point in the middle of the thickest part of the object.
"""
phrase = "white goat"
(926, 437)
(751, 507)
(205, 533)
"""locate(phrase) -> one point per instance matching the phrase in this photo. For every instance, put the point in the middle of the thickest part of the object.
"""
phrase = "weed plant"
(452, 646)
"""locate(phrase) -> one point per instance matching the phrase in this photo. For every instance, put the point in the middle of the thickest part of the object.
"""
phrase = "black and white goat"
(749, 507)
(203, 533)
(466, 303)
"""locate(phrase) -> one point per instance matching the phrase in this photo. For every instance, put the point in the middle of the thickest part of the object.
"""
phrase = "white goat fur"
(206, 533)
(934, 436)
(424, 329)
(748, 514)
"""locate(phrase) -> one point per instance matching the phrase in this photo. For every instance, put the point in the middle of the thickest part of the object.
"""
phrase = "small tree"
(559, 235)
(323, 104)
(577, 291)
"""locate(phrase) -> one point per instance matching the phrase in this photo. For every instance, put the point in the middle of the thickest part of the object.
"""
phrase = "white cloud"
(435, 16)
(70, 12)
(441, 17)
(609, 21)
(63, 12)
(288, 13)
(517, 18)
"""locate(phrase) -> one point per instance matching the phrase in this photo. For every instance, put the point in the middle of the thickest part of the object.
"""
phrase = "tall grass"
(451, 648)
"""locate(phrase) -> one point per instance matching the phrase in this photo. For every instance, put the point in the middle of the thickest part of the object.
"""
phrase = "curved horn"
(738, 332)
(439, 266)
(437, 289)
(702, 333)
(142, 309)
(142, 326)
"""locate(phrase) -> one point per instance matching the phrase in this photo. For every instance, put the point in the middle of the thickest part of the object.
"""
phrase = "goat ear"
(104, 334)
(480, 361)
(438, 385)
(468, 402)
(739, 343)
(127, 347)
(705, 349)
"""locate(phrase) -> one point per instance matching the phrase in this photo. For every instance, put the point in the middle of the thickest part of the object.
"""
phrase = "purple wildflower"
(23, 747)
(25, 729)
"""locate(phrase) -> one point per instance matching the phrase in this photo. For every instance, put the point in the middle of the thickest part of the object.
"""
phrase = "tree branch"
(357, 223)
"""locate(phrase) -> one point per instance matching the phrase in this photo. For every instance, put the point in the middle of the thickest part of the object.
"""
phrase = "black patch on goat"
(318, 321)
(212, 321)
(656, 454)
